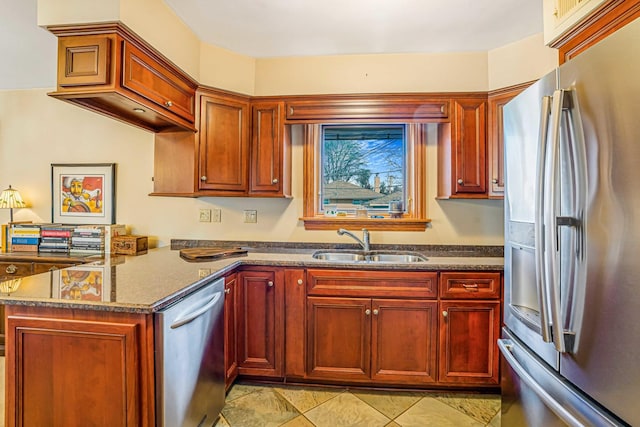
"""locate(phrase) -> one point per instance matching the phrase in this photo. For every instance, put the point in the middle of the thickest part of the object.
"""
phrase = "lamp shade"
(10, 199)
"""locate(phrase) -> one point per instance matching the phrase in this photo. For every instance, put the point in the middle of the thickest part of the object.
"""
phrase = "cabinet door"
(295, 319)
(403, 344)
(469, 142)
(224, 144)
(469, 331)
(268, 151)
(62, 364)
(260, 326)
(230, 329)
(339, 338)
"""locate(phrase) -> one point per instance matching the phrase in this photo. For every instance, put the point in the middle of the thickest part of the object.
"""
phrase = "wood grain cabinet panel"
(462, 150)
(224, 144)
(470, 285)
(108, 69)
(469, 332)
(98, 362)
(230, 329)
(295, 323)
(260, 322)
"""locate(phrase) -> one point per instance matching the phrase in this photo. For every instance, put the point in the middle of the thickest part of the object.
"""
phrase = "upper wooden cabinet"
(108, 69)
(462, 150)
(495, 137)
(242, 149)
(572, 26)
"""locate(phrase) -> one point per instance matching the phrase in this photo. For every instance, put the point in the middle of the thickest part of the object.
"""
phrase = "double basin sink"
(370, 256)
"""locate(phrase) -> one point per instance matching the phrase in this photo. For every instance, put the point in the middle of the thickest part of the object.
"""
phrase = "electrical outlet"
(251, 216)
(216, 215)
(205, 215)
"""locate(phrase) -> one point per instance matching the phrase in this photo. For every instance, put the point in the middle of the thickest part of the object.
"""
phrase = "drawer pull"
(11, 269)
(470, 288)
(54, 268)
(168, 104)
(270, 284)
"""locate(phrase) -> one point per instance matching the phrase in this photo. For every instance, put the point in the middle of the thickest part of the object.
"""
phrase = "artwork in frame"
(83, 193)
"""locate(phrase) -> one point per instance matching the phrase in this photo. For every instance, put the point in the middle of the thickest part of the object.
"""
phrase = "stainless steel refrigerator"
(571, 342)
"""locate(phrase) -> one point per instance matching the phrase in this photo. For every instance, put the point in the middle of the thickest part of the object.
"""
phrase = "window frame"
(414, 217)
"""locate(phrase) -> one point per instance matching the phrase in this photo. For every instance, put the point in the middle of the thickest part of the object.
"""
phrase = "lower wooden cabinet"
(260, 322)
(79, 367)
(380, 340)
(230, 329)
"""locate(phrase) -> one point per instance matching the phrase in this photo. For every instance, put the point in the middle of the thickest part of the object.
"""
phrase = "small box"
(129, 245)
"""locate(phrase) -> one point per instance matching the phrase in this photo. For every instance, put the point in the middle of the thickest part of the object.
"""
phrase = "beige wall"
(525, 60)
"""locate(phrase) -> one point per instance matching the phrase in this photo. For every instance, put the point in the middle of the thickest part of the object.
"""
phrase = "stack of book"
(25, 237)
(87, 240)
(55, 238)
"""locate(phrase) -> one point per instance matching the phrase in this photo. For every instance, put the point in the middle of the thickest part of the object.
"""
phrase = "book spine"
(55, 233)
(24, 240)
(24, 248)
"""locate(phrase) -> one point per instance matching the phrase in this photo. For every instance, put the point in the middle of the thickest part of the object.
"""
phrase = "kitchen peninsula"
(65, 355)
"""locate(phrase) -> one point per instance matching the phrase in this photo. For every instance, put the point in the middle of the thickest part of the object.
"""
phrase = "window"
(366, 175)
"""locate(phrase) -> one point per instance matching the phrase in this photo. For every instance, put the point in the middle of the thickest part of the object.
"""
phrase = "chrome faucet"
(365, 243)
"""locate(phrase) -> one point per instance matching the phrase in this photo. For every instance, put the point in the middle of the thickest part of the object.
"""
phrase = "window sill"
(385, 224)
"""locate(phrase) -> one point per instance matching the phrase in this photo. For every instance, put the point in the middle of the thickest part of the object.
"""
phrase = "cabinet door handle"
(375, 311)
(203, 178)
(270, 283)
(494, 181)
(367, 312)
(168, 104)
(54, 268)
(227, 291)
(274, 180)
(445, 314)
(300, 282)
(460, 181)
(11, 269)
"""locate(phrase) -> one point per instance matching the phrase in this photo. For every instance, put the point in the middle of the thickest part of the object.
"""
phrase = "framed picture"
(83, 193)
(82, 283)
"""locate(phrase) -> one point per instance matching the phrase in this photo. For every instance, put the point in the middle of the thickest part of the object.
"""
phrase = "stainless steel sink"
(372, 256)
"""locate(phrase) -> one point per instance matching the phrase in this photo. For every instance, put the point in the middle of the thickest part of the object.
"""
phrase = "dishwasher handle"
(191, 316)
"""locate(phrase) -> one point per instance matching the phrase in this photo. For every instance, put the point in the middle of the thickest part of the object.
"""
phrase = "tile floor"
(251, 405)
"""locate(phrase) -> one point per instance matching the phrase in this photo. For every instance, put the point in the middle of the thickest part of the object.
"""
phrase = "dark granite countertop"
(150, 282)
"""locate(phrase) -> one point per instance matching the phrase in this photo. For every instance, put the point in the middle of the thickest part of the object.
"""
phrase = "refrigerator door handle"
(506, 348)
(550, 214)
(541, 281)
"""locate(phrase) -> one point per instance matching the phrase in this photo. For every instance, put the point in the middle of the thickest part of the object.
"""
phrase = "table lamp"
(9, 199)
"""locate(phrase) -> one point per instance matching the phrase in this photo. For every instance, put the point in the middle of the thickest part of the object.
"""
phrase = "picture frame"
(83, 193)
(82, 283)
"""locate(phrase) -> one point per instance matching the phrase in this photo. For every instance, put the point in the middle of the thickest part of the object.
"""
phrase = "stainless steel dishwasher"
(189, 343)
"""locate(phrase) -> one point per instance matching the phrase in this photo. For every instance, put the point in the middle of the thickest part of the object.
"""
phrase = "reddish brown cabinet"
(371, 326)
(260, 322)
(462, 150)
(108, 69)
(295, 322)
(470, 313)
(230, 329)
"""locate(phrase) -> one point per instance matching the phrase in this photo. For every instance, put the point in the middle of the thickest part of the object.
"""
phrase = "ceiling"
(275, 28)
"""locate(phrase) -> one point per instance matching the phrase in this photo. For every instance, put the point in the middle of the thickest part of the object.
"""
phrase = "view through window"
(363, 170)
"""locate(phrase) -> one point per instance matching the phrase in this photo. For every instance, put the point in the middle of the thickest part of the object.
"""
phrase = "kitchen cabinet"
(497, 99)
(572, 26)
(223, 151)
(260, 322)
(108, 69)
(462, 150)
(17, 266)
(230, 330)
(110, 368)
(470, 313)
(270, 174)
(376, 339)
(242, 149)
(295, 321)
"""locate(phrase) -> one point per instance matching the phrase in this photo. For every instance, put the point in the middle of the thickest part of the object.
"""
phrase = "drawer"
(367, 283)
(15, 269)
(467, 285)
(149, 79)
(43, 267)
